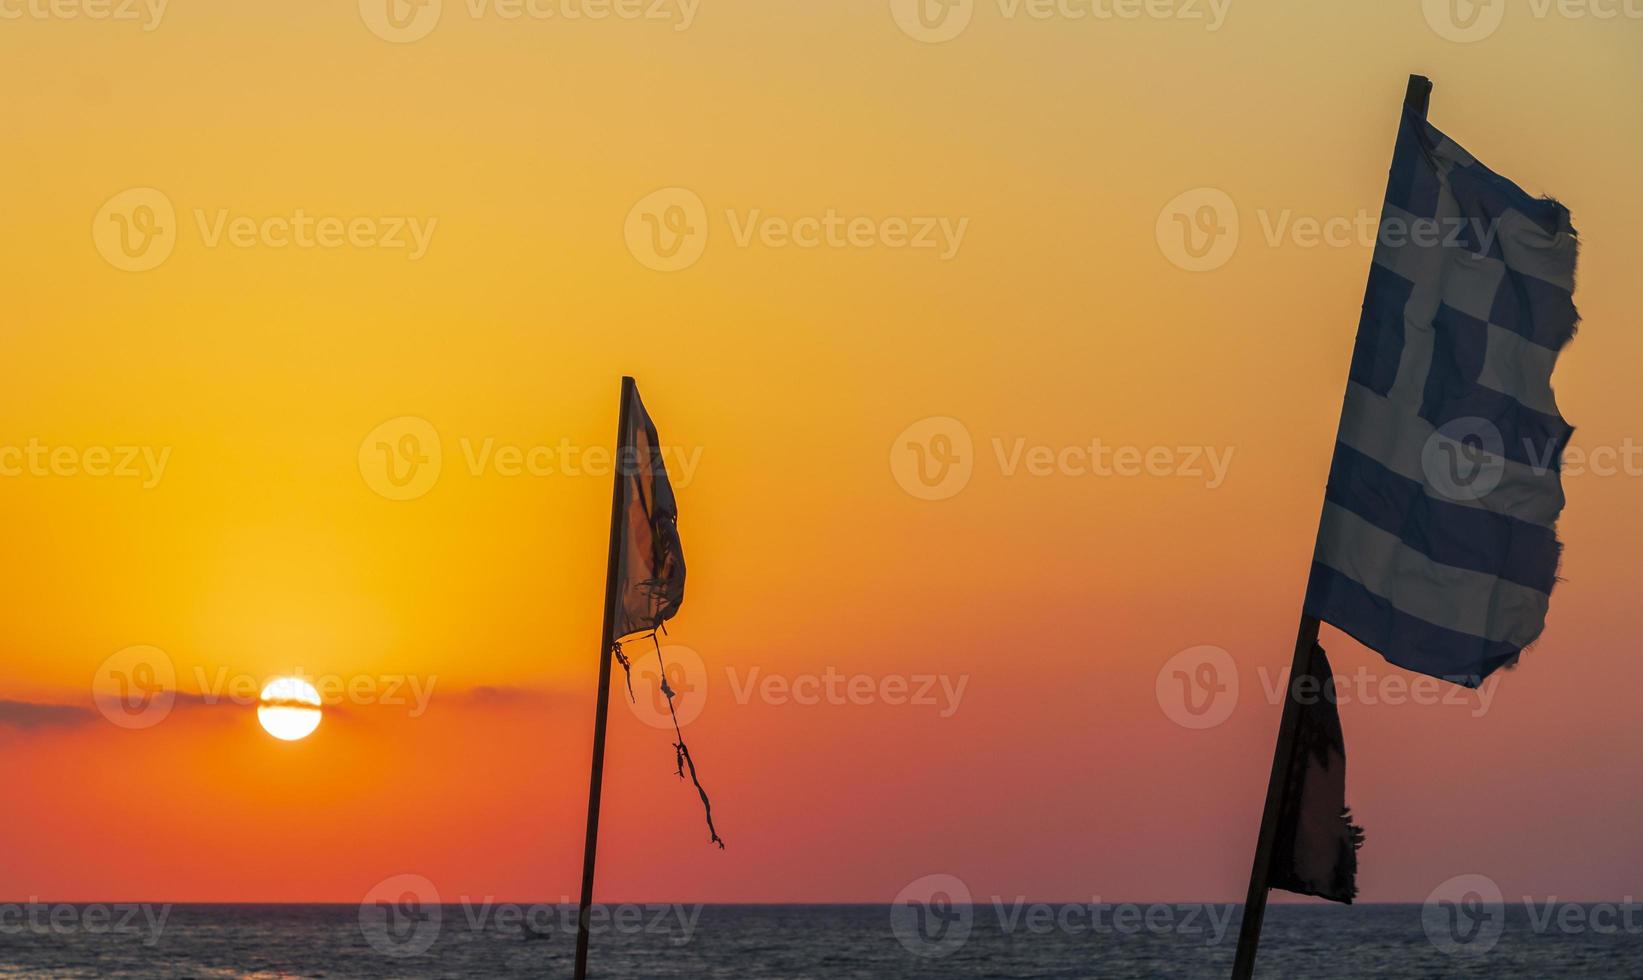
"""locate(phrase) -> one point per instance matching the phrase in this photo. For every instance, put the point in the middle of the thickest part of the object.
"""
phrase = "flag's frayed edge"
(1573, 235)
(1568, 230)
(627, 668)
(1344, 877)
(1346, 871)
(682, 759)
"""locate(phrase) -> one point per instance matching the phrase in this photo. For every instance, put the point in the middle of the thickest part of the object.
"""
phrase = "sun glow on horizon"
(289, 709)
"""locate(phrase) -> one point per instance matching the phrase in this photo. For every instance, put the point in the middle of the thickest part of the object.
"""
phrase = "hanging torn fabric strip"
(651, 571)
(682, 750)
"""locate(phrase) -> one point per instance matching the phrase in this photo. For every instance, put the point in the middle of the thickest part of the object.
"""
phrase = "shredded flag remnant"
(1438, 546)
(651, 571)
(1316, 851)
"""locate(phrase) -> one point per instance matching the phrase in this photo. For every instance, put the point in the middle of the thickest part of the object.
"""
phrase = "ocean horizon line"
(492, 899)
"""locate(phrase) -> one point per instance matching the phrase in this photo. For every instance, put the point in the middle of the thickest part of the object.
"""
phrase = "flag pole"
(1249, 935)
(1418, 97)
(601, 714)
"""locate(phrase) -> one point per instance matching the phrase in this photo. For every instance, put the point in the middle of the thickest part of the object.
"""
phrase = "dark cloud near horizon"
(35, 717)
(508, 695)
(29, 716)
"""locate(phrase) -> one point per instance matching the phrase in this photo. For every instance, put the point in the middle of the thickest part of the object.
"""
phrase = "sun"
(289, 708)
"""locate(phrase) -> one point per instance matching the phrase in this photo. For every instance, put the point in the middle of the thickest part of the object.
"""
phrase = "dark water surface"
(858, 942)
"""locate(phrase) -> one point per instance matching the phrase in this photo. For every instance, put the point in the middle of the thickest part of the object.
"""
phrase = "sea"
(1041, 941)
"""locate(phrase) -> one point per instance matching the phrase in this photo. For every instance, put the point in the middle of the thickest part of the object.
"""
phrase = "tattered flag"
(1316, 850)
(651, 569)
(651, 586)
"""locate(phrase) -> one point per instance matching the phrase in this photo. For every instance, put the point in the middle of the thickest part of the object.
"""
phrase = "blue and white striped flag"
(1437, 546)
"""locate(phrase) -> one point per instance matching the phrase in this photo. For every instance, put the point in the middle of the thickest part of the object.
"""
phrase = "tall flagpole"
(1418, 97)
(601, 714)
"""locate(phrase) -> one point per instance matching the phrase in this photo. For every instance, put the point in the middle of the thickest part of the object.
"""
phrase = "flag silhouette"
(1437, 546)
(1316, 851)
(651, 583)
(650, 580)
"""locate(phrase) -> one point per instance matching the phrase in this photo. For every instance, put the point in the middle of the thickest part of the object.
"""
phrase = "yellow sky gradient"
(1058, 319)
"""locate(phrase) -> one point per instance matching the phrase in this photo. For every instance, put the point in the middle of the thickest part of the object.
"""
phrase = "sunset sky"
(254, 371)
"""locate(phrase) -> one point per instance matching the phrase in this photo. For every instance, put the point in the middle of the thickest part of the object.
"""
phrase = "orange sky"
(1040, 153)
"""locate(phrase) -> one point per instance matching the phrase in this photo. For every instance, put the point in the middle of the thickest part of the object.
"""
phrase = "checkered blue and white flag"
(1437, 546)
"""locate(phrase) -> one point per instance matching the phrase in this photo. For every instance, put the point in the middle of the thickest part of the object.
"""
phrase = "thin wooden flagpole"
(1418, 97)
(601, 714)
